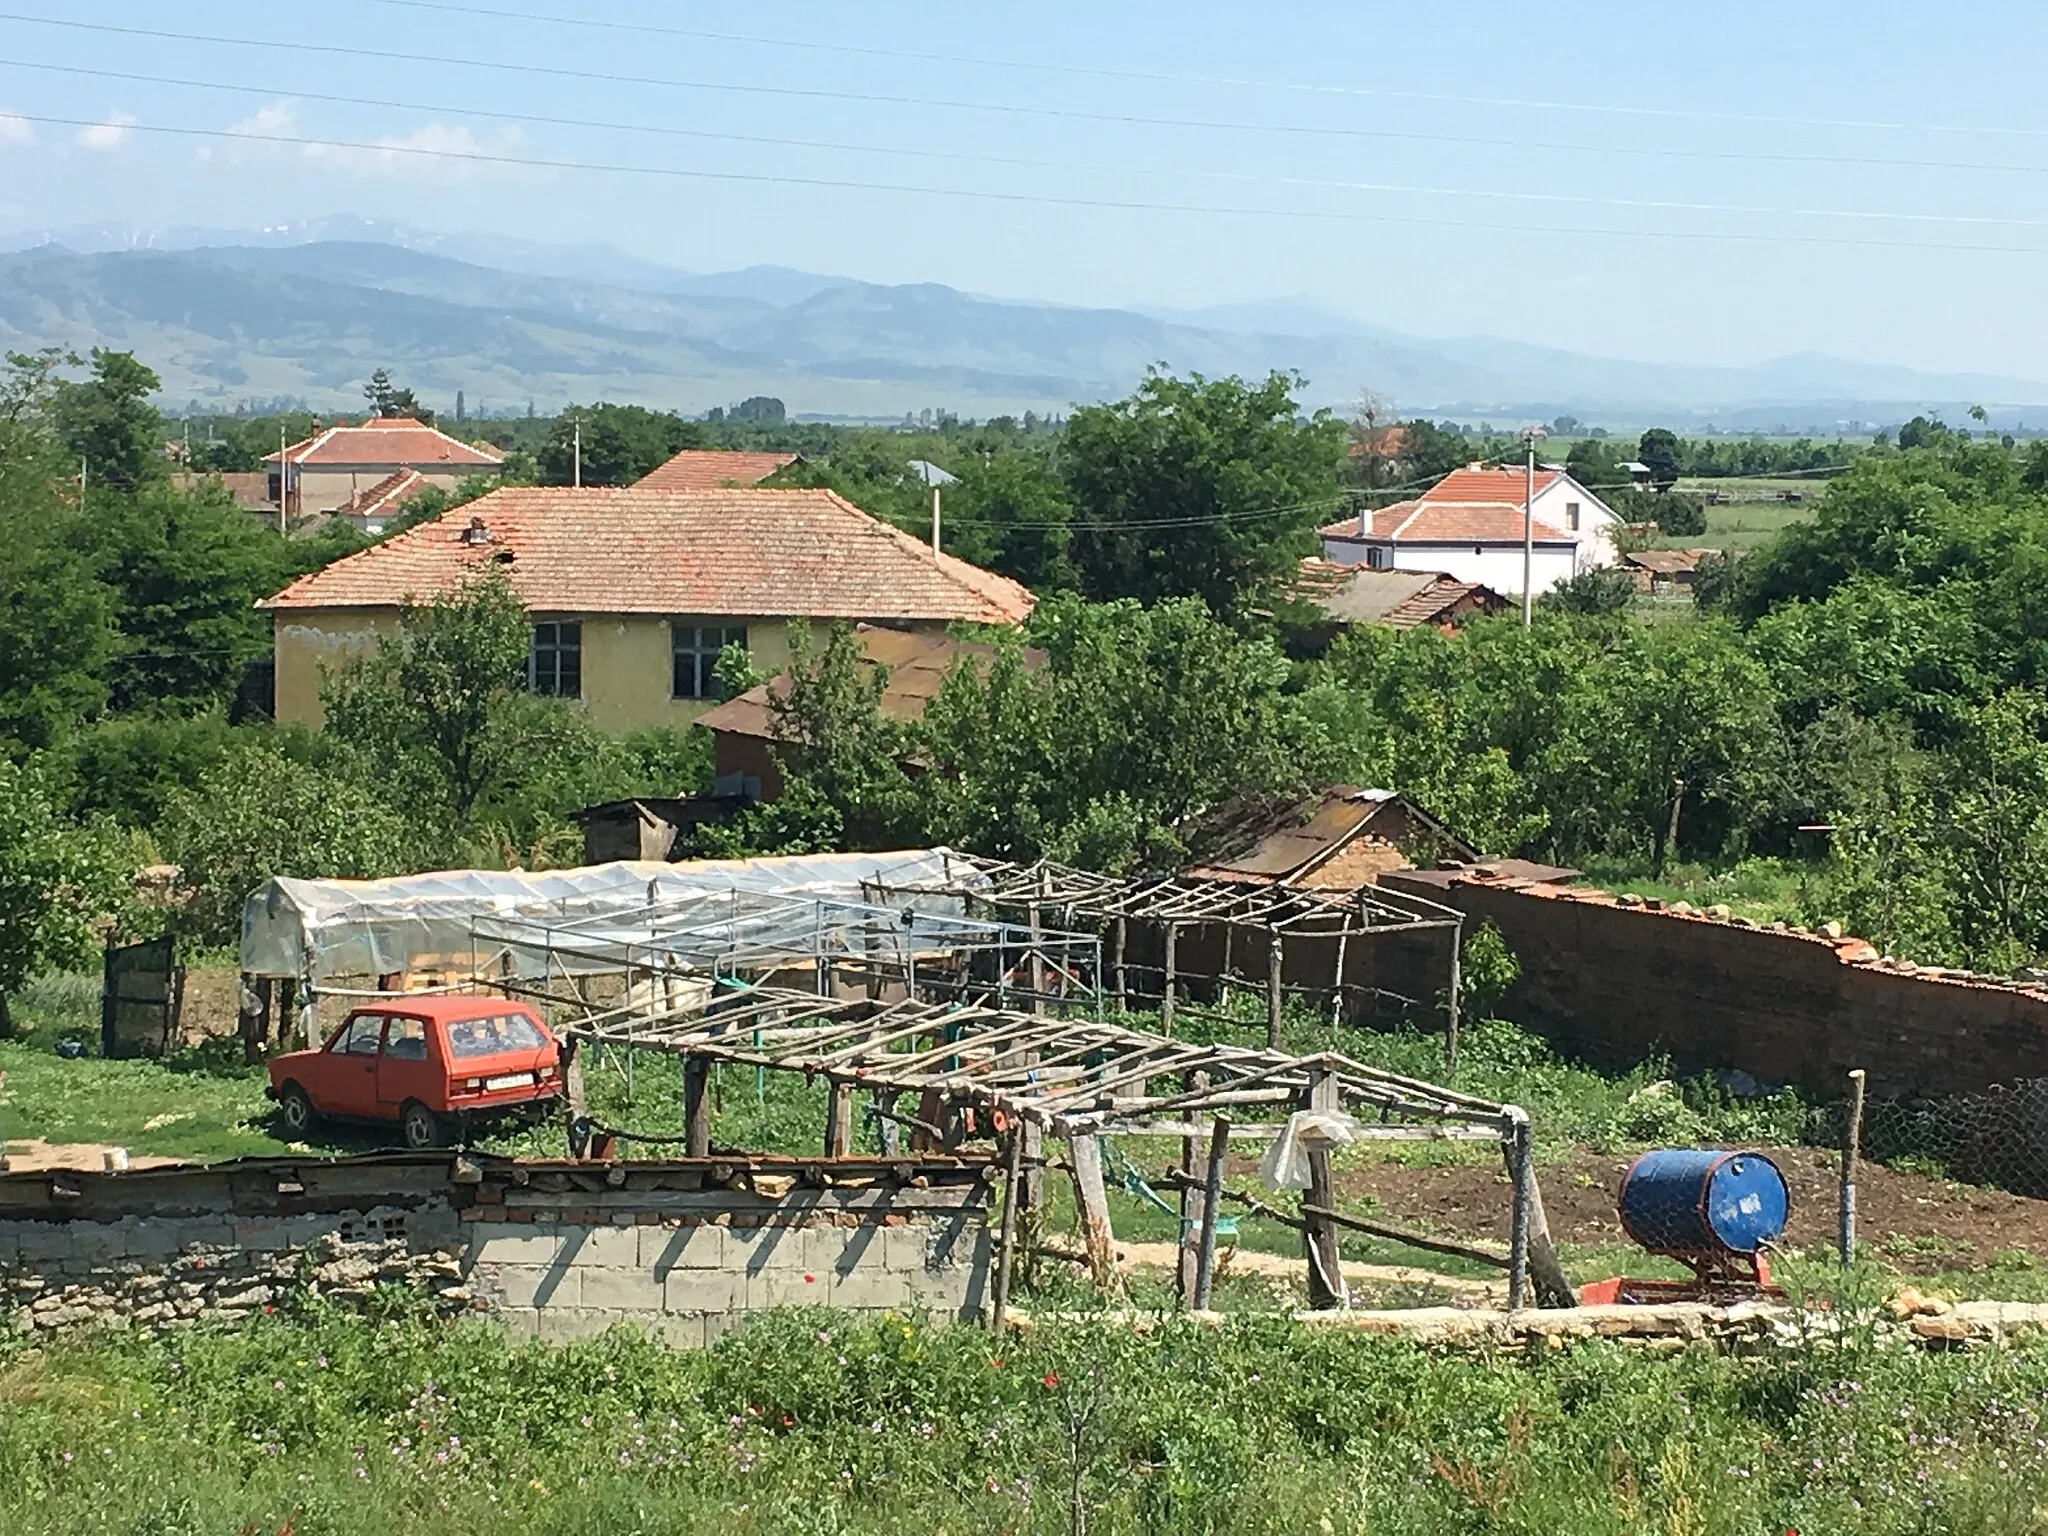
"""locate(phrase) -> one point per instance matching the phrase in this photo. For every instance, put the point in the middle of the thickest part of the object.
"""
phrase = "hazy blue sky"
(1443, 169)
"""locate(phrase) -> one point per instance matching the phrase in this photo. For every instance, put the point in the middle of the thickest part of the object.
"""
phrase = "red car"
(430, 1063)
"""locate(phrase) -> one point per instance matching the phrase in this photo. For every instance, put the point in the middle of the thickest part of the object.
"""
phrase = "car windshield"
(494, 1035)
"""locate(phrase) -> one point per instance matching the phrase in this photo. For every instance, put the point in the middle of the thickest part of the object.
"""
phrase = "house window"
(554, 668)
(1378, 557)
(1571, 516)
(694, 648)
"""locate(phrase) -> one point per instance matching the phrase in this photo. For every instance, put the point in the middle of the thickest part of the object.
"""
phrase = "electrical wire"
(748, 88)
(1886, 162)
(1311, 183)
(1107, 72)
(985, 194)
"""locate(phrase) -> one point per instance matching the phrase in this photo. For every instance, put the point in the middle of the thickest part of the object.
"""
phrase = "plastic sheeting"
(320, 929)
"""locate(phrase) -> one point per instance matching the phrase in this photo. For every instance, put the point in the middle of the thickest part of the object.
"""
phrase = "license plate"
(510, 1080)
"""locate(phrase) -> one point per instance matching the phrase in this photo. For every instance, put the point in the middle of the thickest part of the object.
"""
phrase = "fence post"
(1274, 997)
(1212, 1196)
(1006, 1244)
(1166, 987)
(1851, 1147)
(1192, 1209)
(1522, 1170)
(1325, 1261)
(697, 1106)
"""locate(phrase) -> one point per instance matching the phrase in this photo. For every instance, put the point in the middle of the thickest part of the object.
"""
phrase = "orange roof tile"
(387, 494)
(1505, 484)
(703, 469)
(738, 552)
(1464, 524)
(390, 442)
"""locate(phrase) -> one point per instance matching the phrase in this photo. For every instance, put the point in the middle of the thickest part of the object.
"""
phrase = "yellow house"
(633, 592)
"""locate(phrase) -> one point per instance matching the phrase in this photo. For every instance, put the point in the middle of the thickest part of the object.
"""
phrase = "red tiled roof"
(704, 469)
(1504, 484)
(1425, 522)
(396, 441)
(386, 495)
(736, 552)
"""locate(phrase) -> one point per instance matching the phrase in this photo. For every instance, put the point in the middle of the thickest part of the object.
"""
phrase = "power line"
(482, 157)
(1304, 182)
(751, 89)
(1108, 72)
(1886, 162)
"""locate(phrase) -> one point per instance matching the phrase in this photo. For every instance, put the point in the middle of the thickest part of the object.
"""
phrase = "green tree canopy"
(1194, 487)
(59, 882)
(1659, 450)
(107, 423)
(620, 443)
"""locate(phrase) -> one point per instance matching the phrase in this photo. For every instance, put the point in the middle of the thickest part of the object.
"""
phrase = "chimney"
(1475, 465)
(475, 533)
(1364, 520)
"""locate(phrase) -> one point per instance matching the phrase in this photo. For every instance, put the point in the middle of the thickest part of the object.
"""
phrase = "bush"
(258, 814)
(1603, 590)
(1680, 515)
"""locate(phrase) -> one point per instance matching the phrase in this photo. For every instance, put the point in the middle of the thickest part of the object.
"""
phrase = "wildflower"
(1051, 1380)
(996, 1364)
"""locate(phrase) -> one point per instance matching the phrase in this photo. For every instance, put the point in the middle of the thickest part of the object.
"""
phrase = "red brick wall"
(1618, 984)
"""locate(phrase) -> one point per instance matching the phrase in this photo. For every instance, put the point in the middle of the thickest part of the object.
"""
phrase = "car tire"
(420, 1126)
(295, 1110)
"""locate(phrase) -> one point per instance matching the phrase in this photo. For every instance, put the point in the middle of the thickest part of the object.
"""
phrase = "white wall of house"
(1498, 566)
(1596, 521)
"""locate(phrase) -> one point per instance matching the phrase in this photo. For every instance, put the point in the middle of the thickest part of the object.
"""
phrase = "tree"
(185, 569)
(1594, 465)
(620, 443)
(762, 408)
(1010, 512)
(1659, 450)
(1197, 487)
(60, 884)
(388, 399)
(107, 423)
(830, 733)
(1430, 451)
(438, 709)
(1681, 516)
(56, 619)
(1375, 443)
(256, 814)
(1606, 589)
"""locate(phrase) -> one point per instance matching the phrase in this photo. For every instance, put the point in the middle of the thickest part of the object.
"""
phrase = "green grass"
(1752, 512)
(1765, 890)
(807, 1422)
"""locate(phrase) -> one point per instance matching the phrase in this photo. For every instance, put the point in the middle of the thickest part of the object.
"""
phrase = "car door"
(348, 1086)
(407, 1069)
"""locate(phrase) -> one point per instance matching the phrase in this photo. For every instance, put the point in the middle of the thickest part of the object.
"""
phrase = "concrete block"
(716, 1291)
(677, 1330)
(788, 1288)
(260, 1236)
(519, 1322)
(760, 1249)
(622, 1290)
(907, 1249)
(529, 1285)
(878, 1290)
(563, 1323)
(666, 1248)
(603, 1247)
(497, 1242)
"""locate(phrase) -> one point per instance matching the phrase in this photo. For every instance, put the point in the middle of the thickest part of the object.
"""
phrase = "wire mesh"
(1998, 1137)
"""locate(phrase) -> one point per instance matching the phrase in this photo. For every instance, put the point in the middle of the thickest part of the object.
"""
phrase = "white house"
(1470, 525)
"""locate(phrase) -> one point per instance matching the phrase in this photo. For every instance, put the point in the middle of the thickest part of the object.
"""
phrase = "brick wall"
(1618, 983)
(554, 1250)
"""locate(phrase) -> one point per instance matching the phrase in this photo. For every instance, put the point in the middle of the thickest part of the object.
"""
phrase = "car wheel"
(422, 1127)
(295, 1110)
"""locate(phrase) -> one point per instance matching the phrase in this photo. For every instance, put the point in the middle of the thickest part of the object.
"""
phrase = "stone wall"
(1617, 982)
(554, 1250)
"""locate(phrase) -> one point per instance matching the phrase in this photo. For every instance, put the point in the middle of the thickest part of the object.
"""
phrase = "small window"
(361, 1036)
(1571, 516)
(694, 647)
(554, 668)
(406, 1040)
(1378, 557)
(1478, 549)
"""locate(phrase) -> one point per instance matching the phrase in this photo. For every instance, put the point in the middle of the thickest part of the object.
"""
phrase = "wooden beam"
(1092, 1200)
(1325, 1264)
(697, 1106)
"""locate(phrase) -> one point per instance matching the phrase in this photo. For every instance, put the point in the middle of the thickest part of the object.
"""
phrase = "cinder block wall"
(1617, 984)
(685, 1249)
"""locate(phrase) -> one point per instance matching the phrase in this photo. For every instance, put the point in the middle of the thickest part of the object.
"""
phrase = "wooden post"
(1166, 985)
(1275, 999)
(1325, 1261)
(1006, 1238)
(887, 1131)
(248, 1022)
(1116, 964)
(1192, 1207)
(572, 1080)
(1521, 1172)
(1451, 1001)
(264, 994)
(288, 1012)
(1337, 984)
(839, 1121)
(1852, 1147)
(696, 1106)
(1084, 1153)
(1212, 1196)
(1037, 971)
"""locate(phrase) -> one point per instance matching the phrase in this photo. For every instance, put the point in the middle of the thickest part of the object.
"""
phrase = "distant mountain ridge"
(309, 310)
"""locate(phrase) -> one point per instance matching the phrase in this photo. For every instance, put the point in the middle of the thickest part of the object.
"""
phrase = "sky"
(1700, 185)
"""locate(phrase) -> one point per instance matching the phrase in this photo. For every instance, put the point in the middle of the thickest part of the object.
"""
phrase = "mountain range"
(308, 310)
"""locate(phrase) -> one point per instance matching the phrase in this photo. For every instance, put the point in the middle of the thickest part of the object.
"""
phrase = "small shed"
(1665, 570)
(1343, 839)
(646, 827)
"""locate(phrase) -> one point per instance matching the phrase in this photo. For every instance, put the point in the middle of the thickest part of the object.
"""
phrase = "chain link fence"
(1998, 1137)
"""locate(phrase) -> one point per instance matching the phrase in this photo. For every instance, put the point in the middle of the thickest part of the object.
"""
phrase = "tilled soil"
(1921, 1222)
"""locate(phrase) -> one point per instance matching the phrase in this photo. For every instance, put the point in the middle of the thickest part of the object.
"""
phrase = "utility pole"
(935, 517)
(578, 482)
(1530, 436)
(284, 468)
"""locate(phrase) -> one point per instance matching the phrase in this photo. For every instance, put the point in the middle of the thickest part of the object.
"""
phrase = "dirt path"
(70, 1156)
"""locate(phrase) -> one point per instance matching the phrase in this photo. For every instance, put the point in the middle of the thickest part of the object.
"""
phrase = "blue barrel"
(1686, 1201)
